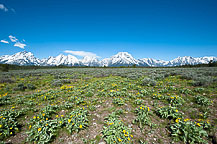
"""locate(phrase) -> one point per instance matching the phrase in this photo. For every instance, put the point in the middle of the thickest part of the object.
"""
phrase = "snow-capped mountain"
(152, 62)
(90, 61)
(187, 60)
(120, 59)
(20, 58)
(61, 59)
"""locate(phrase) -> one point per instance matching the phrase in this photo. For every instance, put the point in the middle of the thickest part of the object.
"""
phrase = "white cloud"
(20, 45)
(81, 53)
(13, 38)
(17, 42)
(2, 7)
(4, 41)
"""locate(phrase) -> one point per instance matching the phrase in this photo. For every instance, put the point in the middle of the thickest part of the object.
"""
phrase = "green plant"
(148, 82)
(5, 99)
(42, 131)
(168, 112)
(188, 131)
(77, 120)
(115, 131)
(8, 122)
(118, 101)
(138, 101)
(202, 100)
(143, 118)
(175, 100)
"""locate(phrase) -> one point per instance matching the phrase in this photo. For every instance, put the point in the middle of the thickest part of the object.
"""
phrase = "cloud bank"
(81, 53)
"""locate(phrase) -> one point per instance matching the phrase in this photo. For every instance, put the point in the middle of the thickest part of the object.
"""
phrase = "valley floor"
(111, 105)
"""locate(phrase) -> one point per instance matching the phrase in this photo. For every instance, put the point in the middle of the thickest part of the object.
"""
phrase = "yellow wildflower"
(186, 120)
(80, 126)
(57, 116)
(198, 124)
(128, 139)
(30, 126)
(177, 120)
(39, 129)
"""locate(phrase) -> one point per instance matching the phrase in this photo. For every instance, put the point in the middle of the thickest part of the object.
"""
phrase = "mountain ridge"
(120, 59)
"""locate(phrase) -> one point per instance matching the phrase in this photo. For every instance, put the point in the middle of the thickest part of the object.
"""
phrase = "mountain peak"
(120, 59)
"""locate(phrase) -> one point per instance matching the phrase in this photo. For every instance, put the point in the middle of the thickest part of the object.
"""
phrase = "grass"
(79, 111)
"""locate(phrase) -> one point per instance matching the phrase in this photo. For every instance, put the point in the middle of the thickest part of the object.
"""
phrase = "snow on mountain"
(61, 59)
(187, 60)
(90, 61)
(152, 62)
(20, 58)
(120, 59)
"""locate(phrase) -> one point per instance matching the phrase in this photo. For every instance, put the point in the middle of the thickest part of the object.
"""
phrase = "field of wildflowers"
(108, 105)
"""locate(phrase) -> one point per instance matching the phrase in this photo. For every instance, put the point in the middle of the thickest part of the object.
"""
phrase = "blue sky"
(161, 29)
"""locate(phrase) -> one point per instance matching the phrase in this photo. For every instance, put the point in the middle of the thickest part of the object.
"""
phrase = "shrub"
(6, 80)
(31, 87)
(58, 82)
(20, 87)
(202, 81)
(148, 82)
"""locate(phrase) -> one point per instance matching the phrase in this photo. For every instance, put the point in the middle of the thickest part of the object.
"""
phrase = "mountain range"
(120, 59)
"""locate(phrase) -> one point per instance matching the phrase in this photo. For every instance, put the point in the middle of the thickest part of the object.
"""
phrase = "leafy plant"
(118, 101)
(148, 82)
(143, 118)
(42, 131)
(188, 131)
(175, 100)
(77, 120)
(168, 112)
(138, 101)
(202, 100)
(8, 122)
(115, 131)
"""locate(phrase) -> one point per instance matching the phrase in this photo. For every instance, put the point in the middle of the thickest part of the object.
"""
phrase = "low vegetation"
(110, 105)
